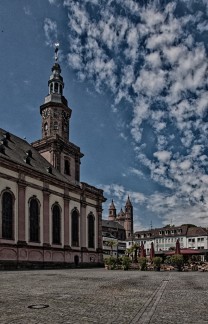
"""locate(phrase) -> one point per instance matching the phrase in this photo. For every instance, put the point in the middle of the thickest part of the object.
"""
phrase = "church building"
(120, 225)
(48, 218)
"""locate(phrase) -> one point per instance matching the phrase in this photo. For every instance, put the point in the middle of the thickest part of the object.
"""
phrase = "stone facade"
(121, 222)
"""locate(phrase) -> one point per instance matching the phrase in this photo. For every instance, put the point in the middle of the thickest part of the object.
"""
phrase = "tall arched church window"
(91, 230)
(67, 167)
(34, 215)
(75, 228)
(7, 215)
(56, 224)
(51, 88)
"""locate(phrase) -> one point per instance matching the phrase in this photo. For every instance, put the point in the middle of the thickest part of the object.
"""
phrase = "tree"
(177, 261)
(143, 263)
(157, 263)
(112, 243)
(135, 248)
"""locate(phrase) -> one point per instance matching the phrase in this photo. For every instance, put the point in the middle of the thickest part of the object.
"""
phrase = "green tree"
(157, 261)
(111, 244)
(135, 247)
(177, 261)
(142, 263)
(126, 261)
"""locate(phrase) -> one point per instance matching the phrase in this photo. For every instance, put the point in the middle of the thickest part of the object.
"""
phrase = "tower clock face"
(45, 113)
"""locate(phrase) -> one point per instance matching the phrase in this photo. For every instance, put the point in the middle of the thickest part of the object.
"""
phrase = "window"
(75, 228)
(56, 87)
(34, 220)
(67, 167)
(7, 216)
(46, 126)
(91, 230)
(56, 225)
(55, 125)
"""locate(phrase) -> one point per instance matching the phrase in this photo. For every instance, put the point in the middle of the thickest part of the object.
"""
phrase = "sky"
(135, 76)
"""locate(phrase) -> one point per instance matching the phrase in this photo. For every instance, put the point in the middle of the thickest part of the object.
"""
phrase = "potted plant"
(142, 263)
(157, 261)
(110, 263)
(177, 261)
(126, 261)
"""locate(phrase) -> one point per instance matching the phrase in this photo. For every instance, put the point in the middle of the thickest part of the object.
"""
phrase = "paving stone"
(104, 297)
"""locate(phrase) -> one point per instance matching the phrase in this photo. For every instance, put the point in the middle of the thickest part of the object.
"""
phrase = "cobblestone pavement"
(101, 296)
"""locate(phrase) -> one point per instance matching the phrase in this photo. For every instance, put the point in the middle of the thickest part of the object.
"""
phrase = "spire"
(128, 202)
(56, 83)
(112, 211)
(56, 51)
(112, 206)
(55, 111)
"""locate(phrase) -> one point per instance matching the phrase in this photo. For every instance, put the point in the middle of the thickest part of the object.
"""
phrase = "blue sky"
(135, 77)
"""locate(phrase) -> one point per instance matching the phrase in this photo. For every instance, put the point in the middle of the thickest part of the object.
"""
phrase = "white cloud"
(50, 29)
(163, 156)
(152, 57)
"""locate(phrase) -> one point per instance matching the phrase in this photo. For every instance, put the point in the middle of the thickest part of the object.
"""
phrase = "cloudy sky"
(135, 77)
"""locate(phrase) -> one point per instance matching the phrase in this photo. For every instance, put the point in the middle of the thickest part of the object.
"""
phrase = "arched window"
(56, 225)
(34, 220)
(46, 126)
(91, 230)
(56, 87)
(51, 88)
(7, 216)
(75, 228)
(67, 167)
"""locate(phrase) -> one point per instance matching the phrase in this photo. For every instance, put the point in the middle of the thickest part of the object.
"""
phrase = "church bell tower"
(55, 113)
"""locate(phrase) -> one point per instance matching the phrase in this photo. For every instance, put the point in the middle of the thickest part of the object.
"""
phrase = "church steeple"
(112, 211)
(55, 145)
(55, 111)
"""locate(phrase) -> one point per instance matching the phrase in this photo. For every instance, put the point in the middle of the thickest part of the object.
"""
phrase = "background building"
(164, 239)
(47, 216)
(117, 229)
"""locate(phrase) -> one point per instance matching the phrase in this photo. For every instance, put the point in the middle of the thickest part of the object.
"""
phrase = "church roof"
(121, 214)
(20, 152)
(128, 202)
(111, 224)
(112, 206)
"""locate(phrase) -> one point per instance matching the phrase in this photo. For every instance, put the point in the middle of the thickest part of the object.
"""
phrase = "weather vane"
(56, 51)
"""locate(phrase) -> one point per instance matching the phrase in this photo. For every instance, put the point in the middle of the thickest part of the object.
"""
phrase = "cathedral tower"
(128, 223)
(112, 212)
(54, 145)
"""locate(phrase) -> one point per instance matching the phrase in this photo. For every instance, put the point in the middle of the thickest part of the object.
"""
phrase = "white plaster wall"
(34, 181)
(9, 172)
(74, 195)
(56, 189)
